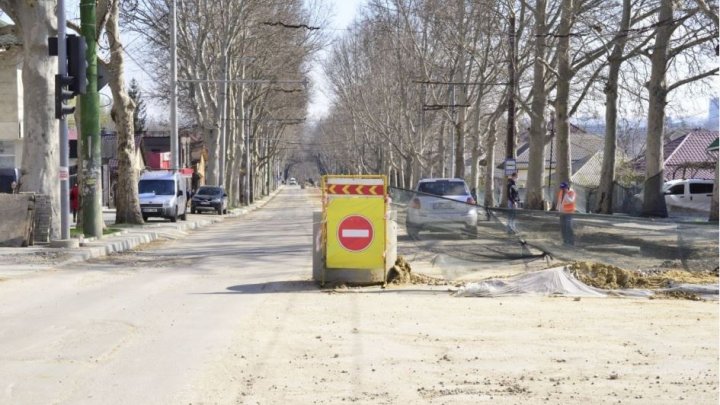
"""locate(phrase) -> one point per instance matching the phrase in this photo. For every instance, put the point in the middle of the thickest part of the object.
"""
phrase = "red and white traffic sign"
(355, 233)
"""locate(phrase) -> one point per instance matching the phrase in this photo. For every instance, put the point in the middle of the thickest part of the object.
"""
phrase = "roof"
(587, 172)
(713, 146)
(687, 157)
(582, 146)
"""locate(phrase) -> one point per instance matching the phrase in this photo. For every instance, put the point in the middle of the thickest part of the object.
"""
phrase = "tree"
(124, 113)
(140, 113)
(36, 22)
(692, 32)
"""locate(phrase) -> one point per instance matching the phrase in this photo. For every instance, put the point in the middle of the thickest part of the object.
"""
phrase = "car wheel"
(184, 215)
(145, 218)
(471, 231)
(219, 211)
(174, 216)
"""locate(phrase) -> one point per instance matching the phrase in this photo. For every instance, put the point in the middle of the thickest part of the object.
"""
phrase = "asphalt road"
(137, 327)
(227, 315)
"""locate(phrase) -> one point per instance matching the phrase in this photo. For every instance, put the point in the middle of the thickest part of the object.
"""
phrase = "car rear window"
(442, 188)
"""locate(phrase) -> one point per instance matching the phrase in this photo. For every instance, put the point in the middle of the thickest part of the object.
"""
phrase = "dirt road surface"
(227, 315)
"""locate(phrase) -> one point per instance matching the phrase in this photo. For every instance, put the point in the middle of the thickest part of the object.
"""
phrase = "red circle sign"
(355, 233)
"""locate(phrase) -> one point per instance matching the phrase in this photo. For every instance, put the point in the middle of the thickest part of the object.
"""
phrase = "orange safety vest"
(566, 203)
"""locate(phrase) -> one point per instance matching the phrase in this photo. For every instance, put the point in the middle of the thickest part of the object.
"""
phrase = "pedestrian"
(565, 203)
(513, 201)
(74, 201)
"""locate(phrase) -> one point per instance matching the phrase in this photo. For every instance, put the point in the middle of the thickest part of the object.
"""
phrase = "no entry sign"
(355, 233)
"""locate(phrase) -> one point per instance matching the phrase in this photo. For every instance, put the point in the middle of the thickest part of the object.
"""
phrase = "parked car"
(691, 196)
(163, 194)
(210, 198)
(293, 181)
(439, 204)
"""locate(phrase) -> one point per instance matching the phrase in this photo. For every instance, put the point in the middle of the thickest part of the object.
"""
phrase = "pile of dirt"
(401, 273)
(609, 277)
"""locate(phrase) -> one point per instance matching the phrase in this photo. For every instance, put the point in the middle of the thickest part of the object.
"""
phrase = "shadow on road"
(272, 287)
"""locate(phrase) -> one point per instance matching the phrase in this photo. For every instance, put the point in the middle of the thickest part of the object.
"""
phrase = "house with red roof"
(687, 157)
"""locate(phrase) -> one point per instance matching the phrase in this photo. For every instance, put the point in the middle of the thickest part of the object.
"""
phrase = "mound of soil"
(401, 273)
(610, 277)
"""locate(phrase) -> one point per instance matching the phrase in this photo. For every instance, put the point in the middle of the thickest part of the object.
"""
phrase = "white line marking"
(355, 233)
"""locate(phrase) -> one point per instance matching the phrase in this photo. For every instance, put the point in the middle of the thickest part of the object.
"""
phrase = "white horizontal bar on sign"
(351, 181)
(355, 233)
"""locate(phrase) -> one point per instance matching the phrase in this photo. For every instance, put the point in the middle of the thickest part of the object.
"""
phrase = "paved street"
(226, 315)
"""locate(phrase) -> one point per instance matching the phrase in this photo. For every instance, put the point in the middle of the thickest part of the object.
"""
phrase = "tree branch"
(692, 79)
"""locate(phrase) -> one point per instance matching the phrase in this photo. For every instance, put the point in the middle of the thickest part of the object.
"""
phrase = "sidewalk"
(16, 261)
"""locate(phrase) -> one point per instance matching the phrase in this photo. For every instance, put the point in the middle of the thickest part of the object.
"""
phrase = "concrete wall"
(16, 226)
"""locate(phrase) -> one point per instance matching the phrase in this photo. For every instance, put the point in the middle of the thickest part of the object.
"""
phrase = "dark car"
(210, 198)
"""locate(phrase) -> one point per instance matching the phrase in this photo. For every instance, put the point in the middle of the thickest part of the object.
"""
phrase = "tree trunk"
(607, 175)
(40, 156)
(714, 206)
(211, 140)
(536, 165)
(489, 200)
(653, 199)
(127, 203)
(564, 171)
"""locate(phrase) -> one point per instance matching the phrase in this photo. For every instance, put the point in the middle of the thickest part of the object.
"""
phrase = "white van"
(688, 194)
(163, 194)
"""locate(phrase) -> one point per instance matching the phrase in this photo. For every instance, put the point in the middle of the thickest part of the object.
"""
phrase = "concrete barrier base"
(323, 275)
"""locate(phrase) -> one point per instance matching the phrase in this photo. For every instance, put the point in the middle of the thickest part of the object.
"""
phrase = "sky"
(343, 14)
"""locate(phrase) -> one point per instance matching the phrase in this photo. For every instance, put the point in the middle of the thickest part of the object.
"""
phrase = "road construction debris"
(401, 273)
(609, 277)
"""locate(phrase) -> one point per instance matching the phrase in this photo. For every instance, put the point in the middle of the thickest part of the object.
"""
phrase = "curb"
(131, 238)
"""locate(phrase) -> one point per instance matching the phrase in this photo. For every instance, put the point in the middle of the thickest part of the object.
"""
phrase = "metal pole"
(173, 87)
(552, 141)
(452, 130)
(90, 124)
(64, 172)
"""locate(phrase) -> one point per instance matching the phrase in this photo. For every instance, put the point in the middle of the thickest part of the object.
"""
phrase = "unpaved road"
(226, 316)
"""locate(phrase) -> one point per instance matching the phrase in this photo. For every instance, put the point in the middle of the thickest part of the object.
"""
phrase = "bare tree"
(36, 21)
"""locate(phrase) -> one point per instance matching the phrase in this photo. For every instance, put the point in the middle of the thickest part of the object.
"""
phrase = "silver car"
(441, 204)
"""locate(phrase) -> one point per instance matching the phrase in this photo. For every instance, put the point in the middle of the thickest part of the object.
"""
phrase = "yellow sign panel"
(355, 233)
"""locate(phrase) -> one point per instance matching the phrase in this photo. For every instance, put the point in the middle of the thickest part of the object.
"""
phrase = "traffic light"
(77, 63)
(61, 95)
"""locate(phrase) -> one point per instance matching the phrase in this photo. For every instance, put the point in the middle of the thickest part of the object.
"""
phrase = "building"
(11, 104)
(686, 156)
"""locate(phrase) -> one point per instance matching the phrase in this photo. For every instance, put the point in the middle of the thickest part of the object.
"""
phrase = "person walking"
(74, 201)
(566, 205)
(513, 201)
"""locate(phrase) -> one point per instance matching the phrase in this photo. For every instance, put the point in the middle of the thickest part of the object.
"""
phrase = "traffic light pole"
(64, 172)
(90, 118)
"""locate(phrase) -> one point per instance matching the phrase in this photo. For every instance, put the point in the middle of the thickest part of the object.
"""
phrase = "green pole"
(90, 127)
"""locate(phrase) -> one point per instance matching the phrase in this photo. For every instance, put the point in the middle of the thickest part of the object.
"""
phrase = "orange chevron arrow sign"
(355, 189)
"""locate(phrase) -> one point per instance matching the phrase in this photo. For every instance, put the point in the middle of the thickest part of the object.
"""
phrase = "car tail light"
(470, 201)
(415, 203)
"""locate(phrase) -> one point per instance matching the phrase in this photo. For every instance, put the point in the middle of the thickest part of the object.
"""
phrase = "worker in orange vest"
(566, 206)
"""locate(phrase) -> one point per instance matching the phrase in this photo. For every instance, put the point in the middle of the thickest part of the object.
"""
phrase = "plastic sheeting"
(560, 281)
(554, 281)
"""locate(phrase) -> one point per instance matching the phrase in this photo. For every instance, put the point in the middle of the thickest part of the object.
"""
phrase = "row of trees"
(262, 46)
(422, 85)
(243, 60)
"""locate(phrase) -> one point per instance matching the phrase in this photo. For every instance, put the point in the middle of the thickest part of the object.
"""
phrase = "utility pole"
(510, 140)
(173, 87)
(64, 172)
(90, 118)
(452, 130)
